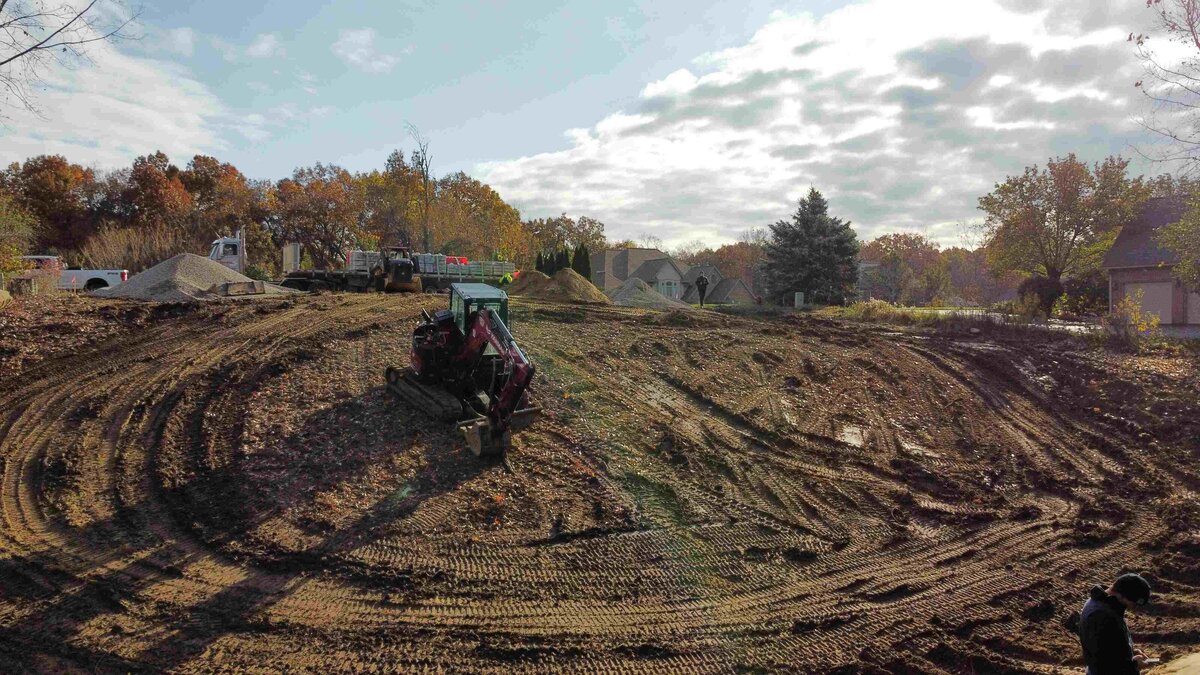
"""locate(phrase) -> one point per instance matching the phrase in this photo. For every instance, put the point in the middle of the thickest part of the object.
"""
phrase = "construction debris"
(186, 278)
(637, 293)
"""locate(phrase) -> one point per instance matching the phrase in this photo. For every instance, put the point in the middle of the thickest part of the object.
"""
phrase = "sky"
(680, 119)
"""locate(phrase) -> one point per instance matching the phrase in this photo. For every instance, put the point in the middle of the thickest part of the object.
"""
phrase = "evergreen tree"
(814, 253)
(582, 262)
(564, 259)
(540, 265)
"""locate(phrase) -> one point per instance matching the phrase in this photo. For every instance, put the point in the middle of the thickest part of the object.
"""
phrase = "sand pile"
(637, 293)
(184, 278)
(565, 286)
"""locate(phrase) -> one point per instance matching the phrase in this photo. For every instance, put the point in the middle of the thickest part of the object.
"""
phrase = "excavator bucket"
(485, 443)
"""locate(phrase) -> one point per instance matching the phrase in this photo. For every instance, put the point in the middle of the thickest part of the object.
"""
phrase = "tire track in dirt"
(687, 503)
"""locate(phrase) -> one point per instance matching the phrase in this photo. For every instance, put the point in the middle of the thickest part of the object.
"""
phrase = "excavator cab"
(465, 299)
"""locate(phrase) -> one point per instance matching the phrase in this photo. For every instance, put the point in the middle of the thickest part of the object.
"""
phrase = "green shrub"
(257, 273)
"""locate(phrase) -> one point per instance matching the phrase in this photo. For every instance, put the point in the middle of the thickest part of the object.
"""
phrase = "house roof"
(649, 270)
(1136, 246)
(723, 290)
(710, 271)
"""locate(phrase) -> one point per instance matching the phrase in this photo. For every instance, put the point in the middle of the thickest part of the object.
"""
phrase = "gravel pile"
(637, 293)
(565, 286)
(184, 278)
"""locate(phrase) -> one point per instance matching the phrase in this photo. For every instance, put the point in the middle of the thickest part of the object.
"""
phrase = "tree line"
(1044, 233)
(135, 216)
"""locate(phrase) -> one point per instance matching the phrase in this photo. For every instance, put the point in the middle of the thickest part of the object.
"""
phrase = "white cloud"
(902, 113)
(182, 41)
(265, 45)
(357, 48)
(117, 107)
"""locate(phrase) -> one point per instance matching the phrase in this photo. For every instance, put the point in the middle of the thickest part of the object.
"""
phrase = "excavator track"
(430, 399)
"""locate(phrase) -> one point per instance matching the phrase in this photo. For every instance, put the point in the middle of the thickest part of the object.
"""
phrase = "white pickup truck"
(76, 278)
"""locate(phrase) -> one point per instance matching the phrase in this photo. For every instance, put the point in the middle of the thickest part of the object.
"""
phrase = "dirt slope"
(229, 488)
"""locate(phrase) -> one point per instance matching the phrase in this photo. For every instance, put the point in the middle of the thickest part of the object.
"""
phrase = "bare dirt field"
(226, 487)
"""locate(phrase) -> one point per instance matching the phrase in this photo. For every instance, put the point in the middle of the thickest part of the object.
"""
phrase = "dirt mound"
(565, 286)
(637, 293)
(184, 278)
(529, 283)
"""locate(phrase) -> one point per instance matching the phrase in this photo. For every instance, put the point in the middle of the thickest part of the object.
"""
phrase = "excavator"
(466, 367)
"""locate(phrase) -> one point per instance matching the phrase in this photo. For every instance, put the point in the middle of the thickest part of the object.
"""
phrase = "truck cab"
(230, 252)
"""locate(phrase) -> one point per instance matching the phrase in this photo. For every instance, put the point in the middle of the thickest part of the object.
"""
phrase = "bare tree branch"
(38, 34)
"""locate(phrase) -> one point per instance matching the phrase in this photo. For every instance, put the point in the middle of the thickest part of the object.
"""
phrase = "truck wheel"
(95, 284)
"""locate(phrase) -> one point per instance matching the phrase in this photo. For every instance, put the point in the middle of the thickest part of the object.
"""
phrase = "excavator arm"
(511, 375)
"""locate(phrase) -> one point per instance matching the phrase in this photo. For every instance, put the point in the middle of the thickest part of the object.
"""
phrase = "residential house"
(664, 275)
(611, 268)
(720, 289)
(1136, 263)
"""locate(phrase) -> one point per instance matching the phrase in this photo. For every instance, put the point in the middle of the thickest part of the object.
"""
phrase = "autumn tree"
(1183, 239)
(1059, 220)
(319, 207)
(563, 231)
(814, 253)
(471, 218)
(908, 269)
(57, 193)
(395, 202)
(16, 234)
(39, 35)
(156, 194)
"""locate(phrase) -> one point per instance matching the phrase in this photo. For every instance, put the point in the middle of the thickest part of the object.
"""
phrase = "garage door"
(1193, 307)
(1156, 298)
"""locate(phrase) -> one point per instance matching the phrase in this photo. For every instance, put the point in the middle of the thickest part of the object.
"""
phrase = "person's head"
(1131, 589)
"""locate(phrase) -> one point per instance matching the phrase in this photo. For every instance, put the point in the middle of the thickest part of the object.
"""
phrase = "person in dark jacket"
(1107, 646)
(702, 287)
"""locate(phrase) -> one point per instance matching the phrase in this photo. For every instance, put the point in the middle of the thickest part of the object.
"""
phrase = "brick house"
(1137, 263)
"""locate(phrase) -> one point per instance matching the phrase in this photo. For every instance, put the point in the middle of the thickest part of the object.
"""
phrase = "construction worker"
(1107, 646)
(701, 287)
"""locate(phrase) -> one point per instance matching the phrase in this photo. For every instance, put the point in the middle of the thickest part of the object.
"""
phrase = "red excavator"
(467, 367)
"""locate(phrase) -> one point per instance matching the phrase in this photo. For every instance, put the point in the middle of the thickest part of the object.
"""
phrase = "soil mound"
(637, 293)
(529, 283)
(565, 286)
(184, 278)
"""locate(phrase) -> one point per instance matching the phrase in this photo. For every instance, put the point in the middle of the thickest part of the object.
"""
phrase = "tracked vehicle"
(466, 367)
